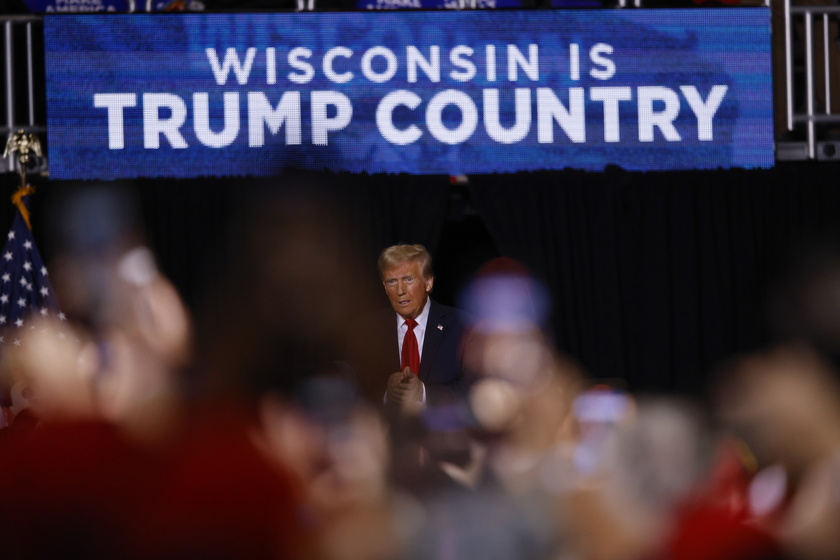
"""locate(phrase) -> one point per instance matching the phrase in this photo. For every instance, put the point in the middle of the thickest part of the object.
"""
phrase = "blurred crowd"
(136, 428)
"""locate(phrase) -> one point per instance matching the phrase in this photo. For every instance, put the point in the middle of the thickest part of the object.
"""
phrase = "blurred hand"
(405, 389)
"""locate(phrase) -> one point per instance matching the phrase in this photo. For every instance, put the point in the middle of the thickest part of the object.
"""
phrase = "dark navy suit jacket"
(441, 362)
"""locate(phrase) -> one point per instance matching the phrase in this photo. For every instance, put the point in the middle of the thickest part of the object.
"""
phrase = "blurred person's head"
(139, 329)
(662, 454)
(406, 273)
(273, 329)
(505, 297)
(308, 430)
(522, 397)
(804, 298)
(507, 341)
(280, 309)
(352, 449)
(652, 465)
(48, 365)
(144, 340)
(523, 385)
(91, 227)
(785, 403)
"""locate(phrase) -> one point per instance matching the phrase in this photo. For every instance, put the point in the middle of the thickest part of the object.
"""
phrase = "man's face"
(407, 289)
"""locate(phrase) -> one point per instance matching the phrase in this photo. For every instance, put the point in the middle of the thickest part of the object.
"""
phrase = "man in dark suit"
(427, 337)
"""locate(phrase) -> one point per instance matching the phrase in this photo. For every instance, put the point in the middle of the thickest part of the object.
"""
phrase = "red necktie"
(410, 350)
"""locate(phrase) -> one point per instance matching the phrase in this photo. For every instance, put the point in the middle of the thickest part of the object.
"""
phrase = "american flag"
(25, 286)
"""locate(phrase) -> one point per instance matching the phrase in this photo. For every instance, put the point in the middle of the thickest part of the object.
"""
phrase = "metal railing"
(812, 83)
(23, 81)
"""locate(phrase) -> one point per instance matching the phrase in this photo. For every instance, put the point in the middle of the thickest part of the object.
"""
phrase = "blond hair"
(396, 255)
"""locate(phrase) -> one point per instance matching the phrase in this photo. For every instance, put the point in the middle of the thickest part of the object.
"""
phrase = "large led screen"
(434, 92)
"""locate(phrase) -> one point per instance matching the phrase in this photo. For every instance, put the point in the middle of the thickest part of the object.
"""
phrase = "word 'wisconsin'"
(164, 115)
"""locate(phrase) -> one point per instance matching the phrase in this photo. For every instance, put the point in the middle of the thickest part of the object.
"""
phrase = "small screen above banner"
(437, 4)
(436, 92)
(80, 6)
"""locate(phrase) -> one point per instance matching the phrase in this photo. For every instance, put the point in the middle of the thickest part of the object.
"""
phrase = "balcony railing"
(811, 76)
(22, 68)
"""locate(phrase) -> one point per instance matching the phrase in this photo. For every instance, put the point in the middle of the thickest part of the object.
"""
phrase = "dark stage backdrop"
(656, 278)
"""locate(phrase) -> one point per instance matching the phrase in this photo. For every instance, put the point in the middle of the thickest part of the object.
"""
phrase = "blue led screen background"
(191, 95)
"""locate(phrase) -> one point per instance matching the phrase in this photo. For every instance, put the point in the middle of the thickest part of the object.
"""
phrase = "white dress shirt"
(420, 335)
(419, 330)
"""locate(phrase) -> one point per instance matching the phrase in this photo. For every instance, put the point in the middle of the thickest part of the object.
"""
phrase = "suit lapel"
(389, 328)
(432, 339)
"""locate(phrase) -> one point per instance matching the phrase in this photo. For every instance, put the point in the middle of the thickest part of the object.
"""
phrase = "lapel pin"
(440, 327)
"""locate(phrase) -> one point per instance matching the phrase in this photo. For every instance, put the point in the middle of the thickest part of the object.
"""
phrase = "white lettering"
(607, 66)
(610, 96)
(664, 119)
(434, 116)
(221, 72)
(385, 114)
(270, 66)
(390, 64)
(431, 67)
(201, 120)
(574, 62)
(305, 70)
(466, 67)
(260, 112)
(321, 124)
(551, 109)
(328, 62)
(516, 60)
(704, 111)
(521, 125)
(154, 125)
(115, 103)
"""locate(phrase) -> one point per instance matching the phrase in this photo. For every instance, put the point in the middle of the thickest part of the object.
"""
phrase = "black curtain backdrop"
(659, 277)
(187, 221)
(656, 278)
